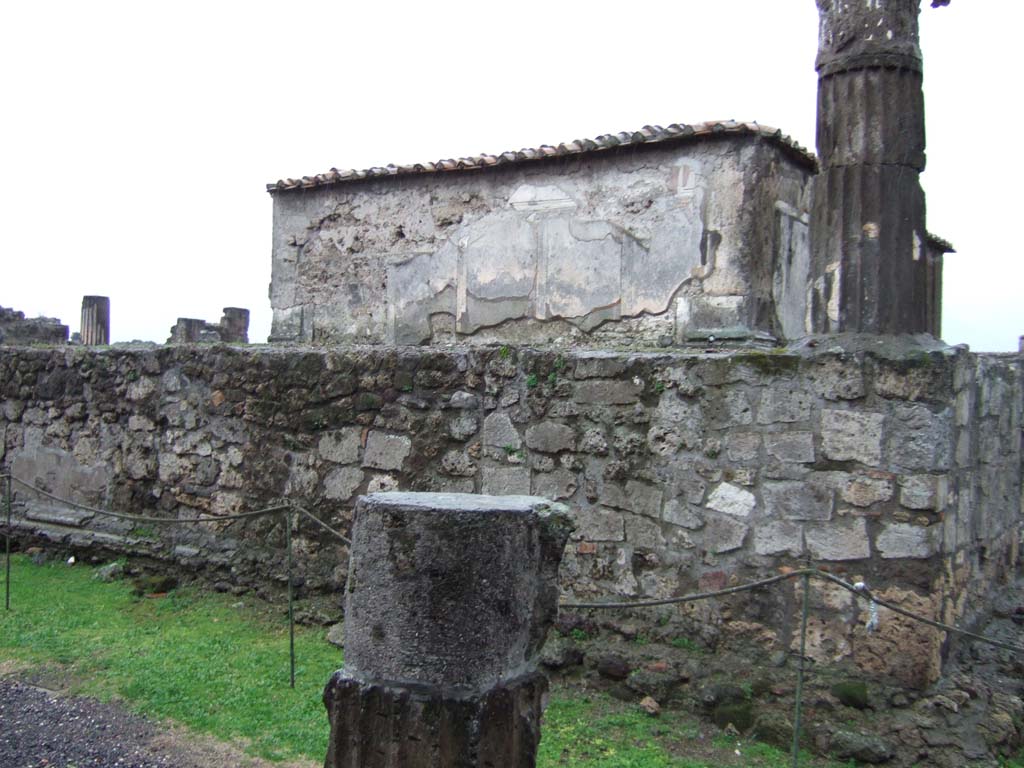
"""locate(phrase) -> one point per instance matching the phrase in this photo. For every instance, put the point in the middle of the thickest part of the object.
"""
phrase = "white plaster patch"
(544, 198)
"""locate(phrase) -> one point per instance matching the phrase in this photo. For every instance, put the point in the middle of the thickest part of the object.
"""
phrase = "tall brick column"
(868, 219)
(95, 328)
(449, 598)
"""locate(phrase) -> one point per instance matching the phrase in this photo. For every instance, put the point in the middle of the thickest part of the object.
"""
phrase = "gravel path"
(42, 729)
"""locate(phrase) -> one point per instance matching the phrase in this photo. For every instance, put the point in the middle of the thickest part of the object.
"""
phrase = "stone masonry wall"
(646, 244)
(898, 465)
(16, 329)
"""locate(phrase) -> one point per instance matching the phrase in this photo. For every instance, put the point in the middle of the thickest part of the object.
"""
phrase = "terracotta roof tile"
(649, 134)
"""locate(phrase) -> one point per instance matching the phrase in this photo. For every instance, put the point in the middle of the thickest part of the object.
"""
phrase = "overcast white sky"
(137, 137)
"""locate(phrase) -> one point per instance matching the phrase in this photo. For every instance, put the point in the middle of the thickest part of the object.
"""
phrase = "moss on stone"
(774, 363)
(739, 713)
(851, 693)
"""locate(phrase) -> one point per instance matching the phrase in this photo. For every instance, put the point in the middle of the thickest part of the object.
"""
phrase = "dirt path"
(46, 729)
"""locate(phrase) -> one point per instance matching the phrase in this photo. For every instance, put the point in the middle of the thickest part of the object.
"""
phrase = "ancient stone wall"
(641, 245)
(898, 465)
(16, 329)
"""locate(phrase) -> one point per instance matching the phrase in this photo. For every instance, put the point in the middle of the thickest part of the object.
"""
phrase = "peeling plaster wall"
(647, 245)
(887, 462)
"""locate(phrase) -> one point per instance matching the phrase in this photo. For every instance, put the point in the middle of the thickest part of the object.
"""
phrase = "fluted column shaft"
(868, 218)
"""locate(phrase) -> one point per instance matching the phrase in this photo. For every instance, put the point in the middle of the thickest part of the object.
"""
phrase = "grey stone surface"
(778, 537)
(852, 436)
(607, 392)
(262, 443)
(341, 445)
(384, 451)
(724, 533)
(732, 500)
(678, 512)
(557, 484)
(905, 541)
(920, 439)
(921, 491)
(463, 426)
(506, 481)
(865, 490)
(796, 447)
(845, 538)
(499, 432)
(453, 590)
(550, 437)
(791, 500)
(598, 524)
(783, 404)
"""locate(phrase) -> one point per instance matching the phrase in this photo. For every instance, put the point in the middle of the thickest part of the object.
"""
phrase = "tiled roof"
(649, 134)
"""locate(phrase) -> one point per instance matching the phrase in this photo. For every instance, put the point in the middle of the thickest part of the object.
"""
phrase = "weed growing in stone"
(686, 644)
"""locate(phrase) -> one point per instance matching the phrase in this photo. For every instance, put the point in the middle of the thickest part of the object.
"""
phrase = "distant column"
(1020, 344)
(234, 326)
(448, 601)
(95, 327)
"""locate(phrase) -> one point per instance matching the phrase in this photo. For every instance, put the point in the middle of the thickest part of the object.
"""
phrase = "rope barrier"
(320, 522)
(286, 507)
(862, 592)
(150, 519)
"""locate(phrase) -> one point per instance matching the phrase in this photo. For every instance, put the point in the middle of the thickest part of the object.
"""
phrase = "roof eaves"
(647, 135)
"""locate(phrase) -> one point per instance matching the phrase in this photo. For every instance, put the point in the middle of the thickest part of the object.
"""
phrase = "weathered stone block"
(797, 500)
(599, 365)
(598, 524)
(557, 484)
(607, 392)
(342, 483)
(732, 500)
(499, 432)
(506, 481)
(642, 498)
(743, 446)
(776, 537)
(487, 611)
(341, 445)
(852, 436)
(728, 408)
(643, 532)
(458, 463)
(384, 451)
(795, 447)
(593, 442)
(684, 515)
(550, 437)
(842, 539)
(724, 533)
(920, 439)
(838, 378)
(903, 540)
(922, 491)
(464, 426)
(865, 490)
(784, 405)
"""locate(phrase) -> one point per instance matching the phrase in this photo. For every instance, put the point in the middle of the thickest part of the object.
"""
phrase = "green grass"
(221, 668)
(189, 657)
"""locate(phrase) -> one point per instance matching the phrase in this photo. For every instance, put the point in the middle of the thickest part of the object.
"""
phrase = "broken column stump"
(449, 599)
